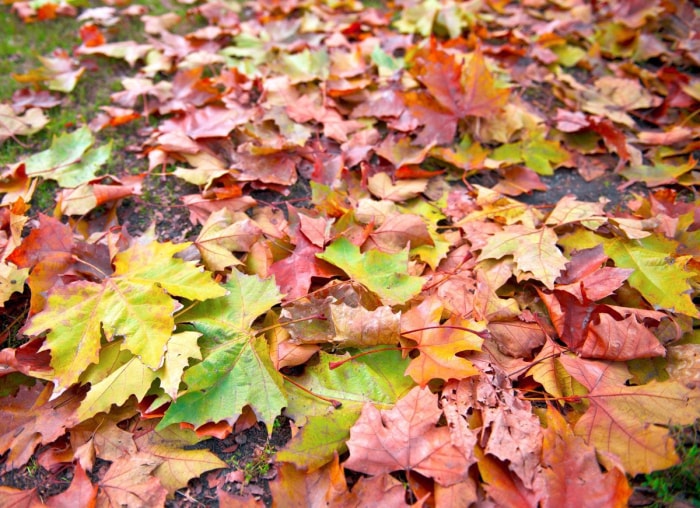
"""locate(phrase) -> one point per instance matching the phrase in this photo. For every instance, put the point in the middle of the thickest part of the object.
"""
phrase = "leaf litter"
(367, 288)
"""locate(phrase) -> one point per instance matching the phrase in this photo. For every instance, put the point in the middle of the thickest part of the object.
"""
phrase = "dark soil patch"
(250, 455)
(566, 181)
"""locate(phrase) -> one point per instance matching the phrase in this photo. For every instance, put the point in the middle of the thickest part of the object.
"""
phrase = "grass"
(21, 45)
(257, 466)
(23, 42)
(680, 482)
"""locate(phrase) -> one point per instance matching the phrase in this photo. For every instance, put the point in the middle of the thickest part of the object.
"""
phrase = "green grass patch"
(680, 483)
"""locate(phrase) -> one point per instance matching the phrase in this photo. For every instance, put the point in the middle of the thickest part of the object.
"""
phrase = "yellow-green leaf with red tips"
(132, 303)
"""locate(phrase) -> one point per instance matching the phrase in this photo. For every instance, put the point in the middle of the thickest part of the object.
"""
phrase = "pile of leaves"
(445, 340)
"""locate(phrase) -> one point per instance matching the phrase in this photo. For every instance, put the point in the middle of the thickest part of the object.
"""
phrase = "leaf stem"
(87, 263)
(320, 317)
(335, 365)
(335, 403)
(484, 334)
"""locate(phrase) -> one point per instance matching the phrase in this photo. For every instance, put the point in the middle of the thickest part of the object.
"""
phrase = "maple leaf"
(504, 488)
(377, 378)
(12, 281)
(129, 482)
(126, 376)
(399, 230)
(382, 273)
(384, 490)
(566, 456)
(207, 168)
(21, 498)
(406, 438)
(69, 160)
(602, 331)
(586, 273)
(439, 343)
(508, 430)
(86, 197)
(236, 370)
(359, 327)
(297, 488)
(627, 420)
(222, 234)
(381, 186)
(30, 418)
(127, 50)
(537, 153)
(177, 466)
(454, 91)
(660, 276)
(13, 124)
(132, 303)
(295, 272)
(208, 122)
(80, 492)
(58, 71)
(119, 375)
(534, 250)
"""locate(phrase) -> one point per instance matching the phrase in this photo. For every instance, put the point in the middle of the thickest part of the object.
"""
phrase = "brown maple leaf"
(30, 418)
(406, 438)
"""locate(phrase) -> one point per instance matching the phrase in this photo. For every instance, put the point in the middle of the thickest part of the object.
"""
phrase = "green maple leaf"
(661, 277)
(537, 153)
(377, 378)
(384, 274)
(534, 250)
(237, 369)
(69, 161)
(305, 65)
(132, 303)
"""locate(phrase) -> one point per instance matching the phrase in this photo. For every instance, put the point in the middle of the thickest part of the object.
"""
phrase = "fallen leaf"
(129, 482)
(222, 234)
(534, 251)
(12, 124)
(81, 492)
(132, 303)
(630, 421)
(439, 343)
(382, 273)
(31, 418)
(406, 438)
(571, 469)
(236, 369)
